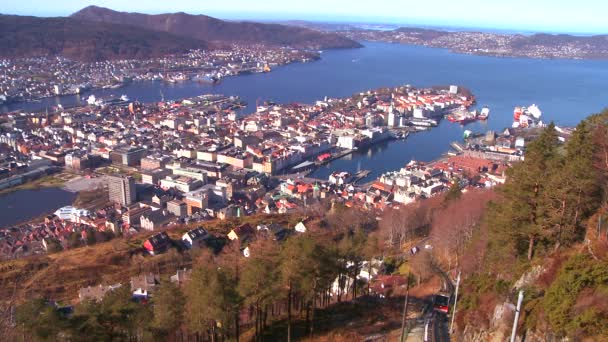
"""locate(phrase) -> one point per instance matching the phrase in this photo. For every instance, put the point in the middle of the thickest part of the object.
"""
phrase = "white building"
(194, 237)
(419, 113)
(70, 213)
(300, 227)
(347, 141)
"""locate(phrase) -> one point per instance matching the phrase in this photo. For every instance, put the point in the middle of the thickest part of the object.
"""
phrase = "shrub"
(580, 273)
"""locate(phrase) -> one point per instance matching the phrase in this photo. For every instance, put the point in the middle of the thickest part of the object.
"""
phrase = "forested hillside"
(546, 235)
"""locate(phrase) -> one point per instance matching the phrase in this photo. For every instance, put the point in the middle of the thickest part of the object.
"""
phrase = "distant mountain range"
(218, 31)
(539, 45)
(96, 33)
(84, 40)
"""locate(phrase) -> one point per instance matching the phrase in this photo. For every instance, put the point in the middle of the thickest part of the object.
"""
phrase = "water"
(566, 91)
(24, 205)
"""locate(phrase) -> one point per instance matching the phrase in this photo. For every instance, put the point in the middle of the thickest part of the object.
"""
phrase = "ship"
(484, 114)
(462, 116)
(423, 122)
(205, 79)
(524, 117)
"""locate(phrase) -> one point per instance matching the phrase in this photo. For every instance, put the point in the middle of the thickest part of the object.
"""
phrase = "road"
(439, 328)
(81, 183)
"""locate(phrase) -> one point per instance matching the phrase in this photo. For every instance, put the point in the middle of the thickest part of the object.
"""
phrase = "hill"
(540, 45)
(85, 41)
(219, 31)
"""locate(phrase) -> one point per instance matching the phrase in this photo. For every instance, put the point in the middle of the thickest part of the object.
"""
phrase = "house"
(279, 233)
(242, 232)
(195, 237)
(300, 227)
(154, 219)
(385, 285)
(181, 276)
(143, 285)
(96, 293)
(157, 244)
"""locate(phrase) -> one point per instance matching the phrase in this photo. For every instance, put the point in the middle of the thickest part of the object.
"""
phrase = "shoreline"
(122, 85)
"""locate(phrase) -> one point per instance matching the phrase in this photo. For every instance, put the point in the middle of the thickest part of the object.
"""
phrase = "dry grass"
(59, 276)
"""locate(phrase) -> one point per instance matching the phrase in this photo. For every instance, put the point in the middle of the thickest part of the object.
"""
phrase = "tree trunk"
(355, 280)
(289, 313)
(307, 327)
(369, 274)
(265, 315)
(260, 322)
(237, 322)
(339, 287)
(257, 331)
(312, 312)
(531, 247)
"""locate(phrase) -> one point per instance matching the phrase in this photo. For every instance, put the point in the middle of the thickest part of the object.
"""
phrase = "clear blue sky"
(584, 16)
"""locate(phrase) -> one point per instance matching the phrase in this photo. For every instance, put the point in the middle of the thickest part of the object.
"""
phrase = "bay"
(23, 205)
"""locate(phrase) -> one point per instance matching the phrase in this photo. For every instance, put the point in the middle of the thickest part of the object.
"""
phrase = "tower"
(122, 190)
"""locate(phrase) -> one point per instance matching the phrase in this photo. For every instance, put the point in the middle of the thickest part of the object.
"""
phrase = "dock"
(360, 175)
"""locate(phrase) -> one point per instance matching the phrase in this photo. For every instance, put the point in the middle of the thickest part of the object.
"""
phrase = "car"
(441, 303)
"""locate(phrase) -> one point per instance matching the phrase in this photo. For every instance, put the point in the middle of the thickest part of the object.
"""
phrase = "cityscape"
(177, 176)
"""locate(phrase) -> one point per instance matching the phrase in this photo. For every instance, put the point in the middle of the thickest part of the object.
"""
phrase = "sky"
(567, 16)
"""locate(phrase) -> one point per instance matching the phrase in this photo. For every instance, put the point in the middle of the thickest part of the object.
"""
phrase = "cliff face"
(86, 41)
(210, 29)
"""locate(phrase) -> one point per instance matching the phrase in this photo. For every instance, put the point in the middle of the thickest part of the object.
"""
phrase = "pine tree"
(168, 303)
(209, 307)
(521, 217)
(454, 192)
(258, 282)
(39, 320)
(573, 189)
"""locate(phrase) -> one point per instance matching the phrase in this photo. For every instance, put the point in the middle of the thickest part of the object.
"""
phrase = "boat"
(203, 79)
(462, 116)
(423, 122)
(484, 114)
(524, 117)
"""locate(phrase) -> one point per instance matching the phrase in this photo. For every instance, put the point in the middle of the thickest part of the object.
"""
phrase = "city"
(31, 79)
(302, 172)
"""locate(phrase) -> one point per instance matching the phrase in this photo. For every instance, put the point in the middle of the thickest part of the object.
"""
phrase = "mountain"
(85, 41)
(219, 31)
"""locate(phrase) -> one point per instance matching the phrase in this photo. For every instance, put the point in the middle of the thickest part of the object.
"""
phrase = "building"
(127, 156)
(122, 190)
(95, 293)
(70, 213)
(195, 237)
(197, 200)
(181, 183)
(177, 208)
(152, 220)
(242, 232)
(143, 285)
(181, 276)
(133, 214)
(82, 161)
(157, 243)
(154, 177)
(154, 162)
(191, 172)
